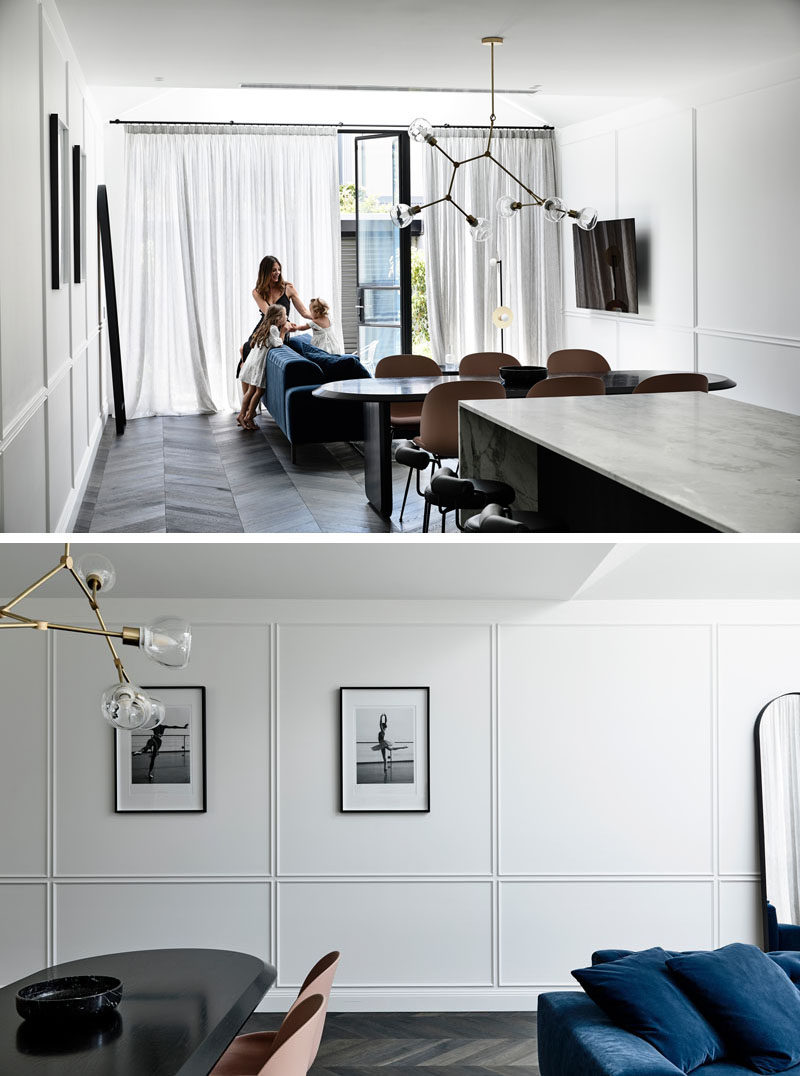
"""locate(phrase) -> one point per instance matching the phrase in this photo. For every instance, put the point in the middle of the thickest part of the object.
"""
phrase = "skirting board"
(66, 522)
(356, 1000)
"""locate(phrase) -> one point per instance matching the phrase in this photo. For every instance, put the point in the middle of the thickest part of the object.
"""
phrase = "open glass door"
(383, 252)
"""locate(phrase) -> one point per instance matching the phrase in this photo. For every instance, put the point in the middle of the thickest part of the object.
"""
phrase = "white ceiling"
(426, 569)
(617, 48)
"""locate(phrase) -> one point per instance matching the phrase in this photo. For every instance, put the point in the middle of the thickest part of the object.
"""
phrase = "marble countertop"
(729, 464)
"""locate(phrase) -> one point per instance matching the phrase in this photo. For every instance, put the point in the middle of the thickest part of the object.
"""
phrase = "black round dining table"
(180, 1009)
(379, 393)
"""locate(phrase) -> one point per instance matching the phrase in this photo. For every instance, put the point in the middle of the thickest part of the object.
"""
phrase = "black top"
(180, 1009)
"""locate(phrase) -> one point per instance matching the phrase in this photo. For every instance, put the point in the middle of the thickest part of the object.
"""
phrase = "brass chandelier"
(167, 640)
(480, 228)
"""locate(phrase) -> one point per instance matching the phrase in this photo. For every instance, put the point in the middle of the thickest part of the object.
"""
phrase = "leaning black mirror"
(777, 735)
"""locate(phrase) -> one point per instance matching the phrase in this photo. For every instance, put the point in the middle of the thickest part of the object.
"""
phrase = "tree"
(368, 203)
(420, 332)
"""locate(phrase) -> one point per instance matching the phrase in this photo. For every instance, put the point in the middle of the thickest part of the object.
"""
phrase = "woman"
(272, 290)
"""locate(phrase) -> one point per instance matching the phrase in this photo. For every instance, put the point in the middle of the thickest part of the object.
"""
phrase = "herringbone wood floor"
(410, 1044)
(203, 474)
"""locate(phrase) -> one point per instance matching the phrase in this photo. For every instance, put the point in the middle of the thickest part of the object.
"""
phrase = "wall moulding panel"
(687, 176)
(560, 865)
(43, 329)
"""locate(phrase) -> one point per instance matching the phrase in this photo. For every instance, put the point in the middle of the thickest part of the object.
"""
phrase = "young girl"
(270, 333)
(323, 334)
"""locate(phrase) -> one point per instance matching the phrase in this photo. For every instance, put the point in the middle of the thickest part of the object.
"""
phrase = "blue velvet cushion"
(749, 999)
(639, 995)
(334, 367)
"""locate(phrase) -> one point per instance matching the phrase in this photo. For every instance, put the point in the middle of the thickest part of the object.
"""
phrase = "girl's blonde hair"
(264, 282)
(272, 317)
(320, 306)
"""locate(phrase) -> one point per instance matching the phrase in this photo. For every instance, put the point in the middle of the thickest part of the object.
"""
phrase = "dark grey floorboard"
(202, 474)
(410, 1044)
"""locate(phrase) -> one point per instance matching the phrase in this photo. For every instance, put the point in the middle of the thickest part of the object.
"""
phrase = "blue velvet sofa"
(576, 1038)
(293, 372)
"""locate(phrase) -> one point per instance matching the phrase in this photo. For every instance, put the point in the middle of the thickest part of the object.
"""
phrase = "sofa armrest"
(575, 1036)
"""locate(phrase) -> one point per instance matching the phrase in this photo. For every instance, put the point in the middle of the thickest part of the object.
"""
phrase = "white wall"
(591, 785)
(51, 391)
(710, 180)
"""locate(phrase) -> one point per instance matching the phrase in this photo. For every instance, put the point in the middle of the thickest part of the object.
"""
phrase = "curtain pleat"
(462, 289)
(203, 205)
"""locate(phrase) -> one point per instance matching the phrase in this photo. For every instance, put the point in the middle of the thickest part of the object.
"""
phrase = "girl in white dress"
(269, 334)
(323, 334)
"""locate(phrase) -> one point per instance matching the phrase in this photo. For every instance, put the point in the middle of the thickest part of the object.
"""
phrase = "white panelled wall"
(51, 340)
(591, 786)
(709, 180)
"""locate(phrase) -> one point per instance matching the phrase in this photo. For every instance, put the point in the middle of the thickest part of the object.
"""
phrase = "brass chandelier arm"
(452, 160)
(18, 618)
(477, 157)
(123, 676)
(19, 624)
(533, 194)
(463, 212)
(34, 586)
(427, 205)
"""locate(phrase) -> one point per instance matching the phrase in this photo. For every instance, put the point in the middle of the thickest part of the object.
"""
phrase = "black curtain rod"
(345, 128)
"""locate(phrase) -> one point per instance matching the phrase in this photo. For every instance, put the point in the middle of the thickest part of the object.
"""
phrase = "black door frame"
(404, 163)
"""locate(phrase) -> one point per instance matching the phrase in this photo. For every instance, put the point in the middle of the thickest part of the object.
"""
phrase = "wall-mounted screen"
(605, 266)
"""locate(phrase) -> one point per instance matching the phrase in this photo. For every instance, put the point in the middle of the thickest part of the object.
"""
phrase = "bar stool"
(497, 519)
(449, 493)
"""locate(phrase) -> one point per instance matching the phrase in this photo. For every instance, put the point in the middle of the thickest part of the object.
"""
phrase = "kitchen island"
(666, 462)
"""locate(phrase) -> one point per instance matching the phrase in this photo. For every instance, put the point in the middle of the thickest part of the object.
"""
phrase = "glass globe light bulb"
(420, 130)
(482, 231)
(126, 707)
(587, 218)
(505, 206)
(158, 714)
(401, 215)
(167, 641)
(93, 567)
(555, 210)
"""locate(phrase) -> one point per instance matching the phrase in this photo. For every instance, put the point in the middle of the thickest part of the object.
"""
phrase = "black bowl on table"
(74, 997)
(522, 377)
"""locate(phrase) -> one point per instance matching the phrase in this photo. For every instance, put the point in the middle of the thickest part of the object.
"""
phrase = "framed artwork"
(385, 748)
(78, 214)
(164, 769)
(58, 143)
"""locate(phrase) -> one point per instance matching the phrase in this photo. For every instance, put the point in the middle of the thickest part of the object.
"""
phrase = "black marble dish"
(522, 377)
(76, 997)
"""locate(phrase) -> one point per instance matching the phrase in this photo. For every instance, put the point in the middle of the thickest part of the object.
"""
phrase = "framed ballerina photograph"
(385, 748)
(164, 768)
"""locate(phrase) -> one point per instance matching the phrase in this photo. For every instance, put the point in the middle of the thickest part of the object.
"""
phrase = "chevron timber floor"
(203, 474)
(411, 1044)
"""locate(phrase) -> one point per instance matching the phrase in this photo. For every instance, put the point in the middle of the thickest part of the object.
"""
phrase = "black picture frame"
(78, 214)
(141, 784)
(57, 134)
(399, 718)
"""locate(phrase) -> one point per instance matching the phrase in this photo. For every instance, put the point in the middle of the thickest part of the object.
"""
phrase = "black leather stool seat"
(448, 491)
(497, 519)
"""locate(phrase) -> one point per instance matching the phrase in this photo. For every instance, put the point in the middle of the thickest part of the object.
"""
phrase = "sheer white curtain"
(461, 285)
(203, 205)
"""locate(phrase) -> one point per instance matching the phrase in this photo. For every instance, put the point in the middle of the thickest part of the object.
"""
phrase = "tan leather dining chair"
(673, 383)
(569, 385)
(405, 417)
(248, 1053)
(293, 1053)
(438, 428)
(576, 360)
(485, 363)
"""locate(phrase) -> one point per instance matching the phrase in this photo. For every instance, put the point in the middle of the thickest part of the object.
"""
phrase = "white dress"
(254, 368)
(325, 339)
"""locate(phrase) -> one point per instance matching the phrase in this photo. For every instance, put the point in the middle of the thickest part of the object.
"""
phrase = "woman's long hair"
(264, 283)
(261, 336)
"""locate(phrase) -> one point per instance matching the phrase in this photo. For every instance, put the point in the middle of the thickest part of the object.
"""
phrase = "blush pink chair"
(248, 1054)
(673, 383)
(577, 360)
(485, 363)
(569, 385)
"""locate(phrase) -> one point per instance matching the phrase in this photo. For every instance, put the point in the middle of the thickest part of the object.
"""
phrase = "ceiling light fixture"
(480, 228)
(167, 640)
